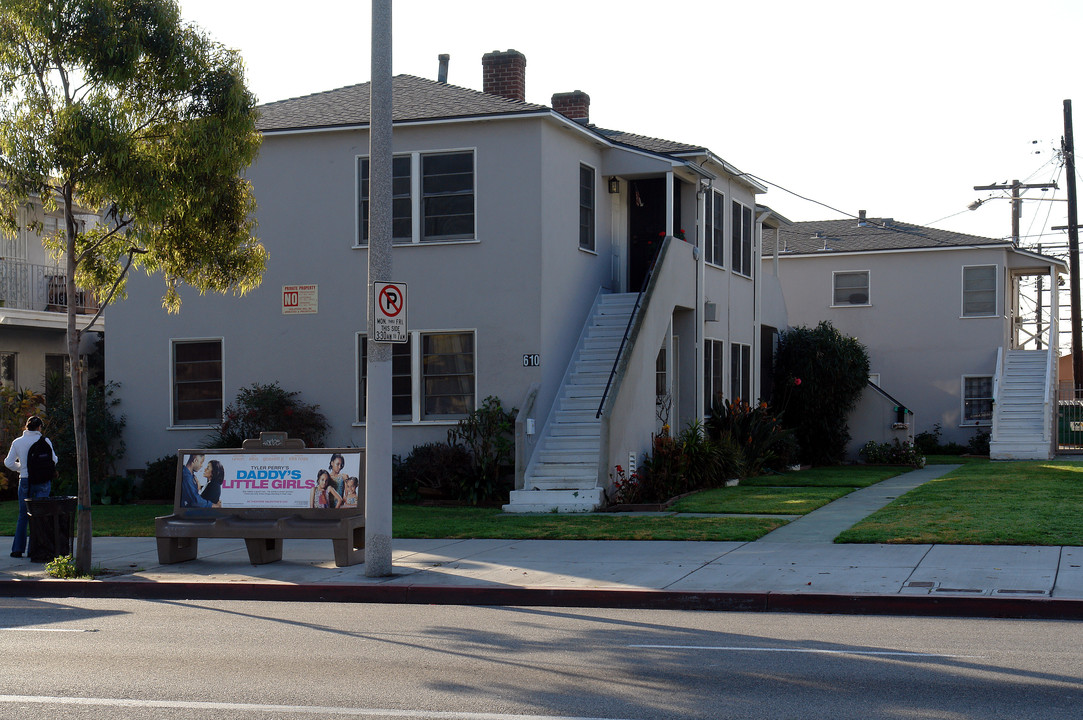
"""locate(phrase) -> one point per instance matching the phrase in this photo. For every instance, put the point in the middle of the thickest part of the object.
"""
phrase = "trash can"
(52, 527)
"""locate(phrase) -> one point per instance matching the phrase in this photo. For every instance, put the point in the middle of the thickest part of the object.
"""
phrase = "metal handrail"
(628, 328)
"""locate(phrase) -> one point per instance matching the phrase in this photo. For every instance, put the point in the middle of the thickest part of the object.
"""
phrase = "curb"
(810, 603)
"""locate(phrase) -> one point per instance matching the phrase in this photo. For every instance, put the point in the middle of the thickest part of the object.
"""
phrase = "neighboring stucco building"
(942, 318)
(33, 303)
(524, 234)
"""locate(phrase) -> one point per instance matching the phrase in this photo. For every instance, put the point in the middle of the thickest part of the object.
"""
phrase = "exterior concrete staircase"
(1022, 422)
(563, 475)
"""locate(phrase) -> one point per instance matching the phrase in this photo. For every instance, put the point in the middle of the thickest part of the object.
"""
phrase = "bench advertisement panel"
(261, 479)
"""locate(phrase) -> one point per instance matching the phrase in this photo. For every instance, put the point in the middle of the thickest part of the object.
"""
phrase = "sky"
(898, 108)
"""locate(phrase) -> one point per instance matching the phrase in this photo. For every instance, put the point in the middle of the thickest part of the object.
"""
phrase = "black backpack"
(40, 467)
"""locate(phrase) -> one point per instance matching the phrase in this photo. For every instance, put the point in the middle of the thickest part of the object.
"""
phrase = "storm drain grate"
(921, 584)
(1023, 592)
(972, 591)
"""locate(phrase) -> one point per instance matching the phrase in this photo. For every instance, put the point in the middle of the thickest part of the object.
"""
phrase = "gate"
(1070, 421)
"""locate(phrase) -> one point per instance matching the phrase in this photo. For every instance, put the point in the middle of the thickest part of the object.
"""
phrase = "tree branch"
(132, 252)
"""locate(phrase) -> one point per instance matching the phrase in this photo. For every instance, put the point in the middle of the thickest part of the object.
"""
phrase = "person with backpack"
(32, 456)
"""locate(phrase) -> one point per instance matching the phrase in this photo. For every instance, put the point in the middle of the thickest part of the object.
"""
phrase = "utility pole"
(1017, 201)
(378, 398)
(1068, 148)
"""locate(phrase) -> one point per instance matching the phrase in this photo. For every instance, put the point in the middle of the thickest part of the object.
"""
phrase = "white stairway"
(1021, 423)
(564, 474)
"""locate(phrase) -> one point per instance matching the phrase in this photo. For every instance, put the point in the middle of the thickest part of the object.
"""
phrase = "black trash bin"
(52, 527)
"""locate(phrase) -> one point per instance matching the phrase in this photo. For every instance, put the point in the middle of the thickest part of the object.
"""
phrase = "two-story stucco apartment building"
(942, 317)
(524, 234)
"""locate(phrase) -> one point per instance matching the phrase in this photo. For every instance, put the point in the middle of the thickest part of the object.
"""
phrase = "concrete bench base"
(178, 536)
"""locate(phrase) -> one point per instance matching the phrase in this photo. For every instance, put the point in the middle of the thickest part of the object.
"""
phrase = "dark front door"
(646, 227)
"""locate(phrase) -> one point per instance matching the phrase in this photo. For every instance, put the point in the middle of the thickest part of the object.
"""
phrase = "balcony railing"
(27, 286)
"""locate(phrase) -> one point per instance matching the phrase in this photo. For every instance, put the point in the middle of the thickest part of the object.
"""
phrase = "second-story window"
(980, 291)
(715, 240)
(850, 288)
(741, 239)
(432, 197)
(586, 207)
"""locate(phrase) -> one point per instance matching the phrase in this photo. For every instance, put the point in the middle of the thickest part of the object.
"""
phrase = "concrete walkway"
(824, 524)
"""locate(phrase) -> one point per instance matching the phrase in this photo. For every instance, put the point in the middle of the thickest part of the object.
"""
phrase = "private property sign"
(389, 320)
(300, 299)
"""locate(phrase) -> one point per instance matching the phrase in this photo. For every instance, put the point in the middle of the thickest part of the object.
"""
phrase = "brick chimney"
(574, 105)
(504, 74)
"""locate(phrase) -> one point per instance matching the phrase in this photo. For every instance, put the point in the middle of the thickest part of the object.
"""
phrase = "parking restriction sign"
(389, 321)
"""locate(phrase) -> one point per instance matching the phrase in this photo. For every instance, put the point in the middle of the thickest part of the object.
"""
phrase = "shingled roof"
(825, 236)
(417, 99)
(414, 99)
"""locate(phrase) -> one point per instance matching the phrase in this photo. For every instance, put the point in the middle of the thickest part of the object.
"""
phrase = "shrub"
(268, 408)
(929, 443)
(893, 453)
(437, 466)
(756, 433)
(104, 434)
(15, 407)
(488, 434)
(160, 479)
(819, 376)
(675, 466)
(979, 444)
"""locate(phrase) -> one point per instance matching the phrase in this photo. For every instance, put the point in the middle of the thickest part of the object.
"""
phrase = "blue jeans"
(37, 490)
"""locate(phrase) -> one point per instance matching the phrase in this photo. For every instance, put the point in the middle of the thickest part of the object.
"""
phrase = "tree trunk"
(83, 555)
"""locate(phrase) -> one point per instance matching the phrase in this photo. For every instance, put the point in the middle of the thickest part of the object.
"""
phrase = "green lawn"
(984, 503)
(851, 476)
(469, 522)
(760, 500)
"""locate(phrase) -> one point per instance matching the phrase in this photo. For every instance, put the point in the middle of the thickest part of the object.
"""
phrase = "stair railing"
(631, 320)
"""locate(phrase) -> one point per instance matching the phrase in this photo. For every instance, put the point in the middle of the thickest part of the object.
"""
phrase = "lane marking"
(810, 651)
(25, 629)
(296, 709)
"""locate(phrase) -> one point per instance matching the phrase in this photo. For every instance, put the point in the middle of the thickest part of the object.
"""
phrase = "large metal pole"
(378, 397)
(1073, 246)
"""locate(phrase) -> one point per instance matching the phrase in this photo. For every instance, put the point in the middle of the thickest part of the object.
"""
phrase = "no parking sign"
(389, 321)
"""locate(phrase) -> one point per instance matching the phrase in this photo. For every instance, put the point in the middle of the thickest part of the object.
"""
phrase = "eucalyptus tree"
(121, 107)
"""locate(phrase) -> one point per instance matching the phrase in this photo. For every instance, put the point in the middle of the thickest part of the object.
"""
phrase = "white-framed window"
(979, 290)
(850, 288)
(433, 376)
(714, 363)
(8, 377)
(977, 400)
(433, 197)
(714, 242)
(741, 238)
(196, 378)
(587, 195)
(741, 372)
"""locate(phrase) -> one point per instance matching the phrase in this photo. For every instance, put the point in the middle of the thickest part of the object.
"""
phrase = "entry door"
(646, 227)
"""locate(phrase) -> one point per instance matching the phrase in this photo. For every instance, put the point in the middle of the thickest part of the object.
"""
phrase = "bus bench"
(263, 497)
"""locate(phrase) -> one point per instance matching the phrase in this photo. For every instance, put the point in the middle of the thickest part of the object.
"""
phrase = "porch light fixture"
(614, 186)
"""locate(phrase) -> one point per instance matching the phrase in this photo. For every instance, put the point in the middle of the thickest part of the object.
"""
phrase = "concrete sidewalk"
(822, 577)
(795, 568)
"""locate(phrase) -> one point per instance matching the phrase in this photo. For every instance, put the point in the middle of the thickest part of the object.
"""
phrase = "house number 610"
(531, 360)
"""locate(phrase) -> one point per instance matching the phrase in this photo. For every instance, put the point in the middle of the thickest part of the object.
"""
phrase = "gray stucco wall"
(916, 338)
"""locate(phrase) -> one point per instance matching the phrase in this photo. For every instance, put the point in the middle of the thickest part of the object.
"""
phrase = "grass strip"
(760, 500)
(1012, 503)
(851, 476)
(410, 521)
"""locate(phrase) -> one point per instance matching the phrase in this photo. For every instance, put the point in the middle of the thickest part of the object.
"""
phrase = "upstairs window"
(741, 239)
(980, 291)
(586, 208)
(439, 209)
(401, 205)
(850, 288)
(715, 240)
(447, 191)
